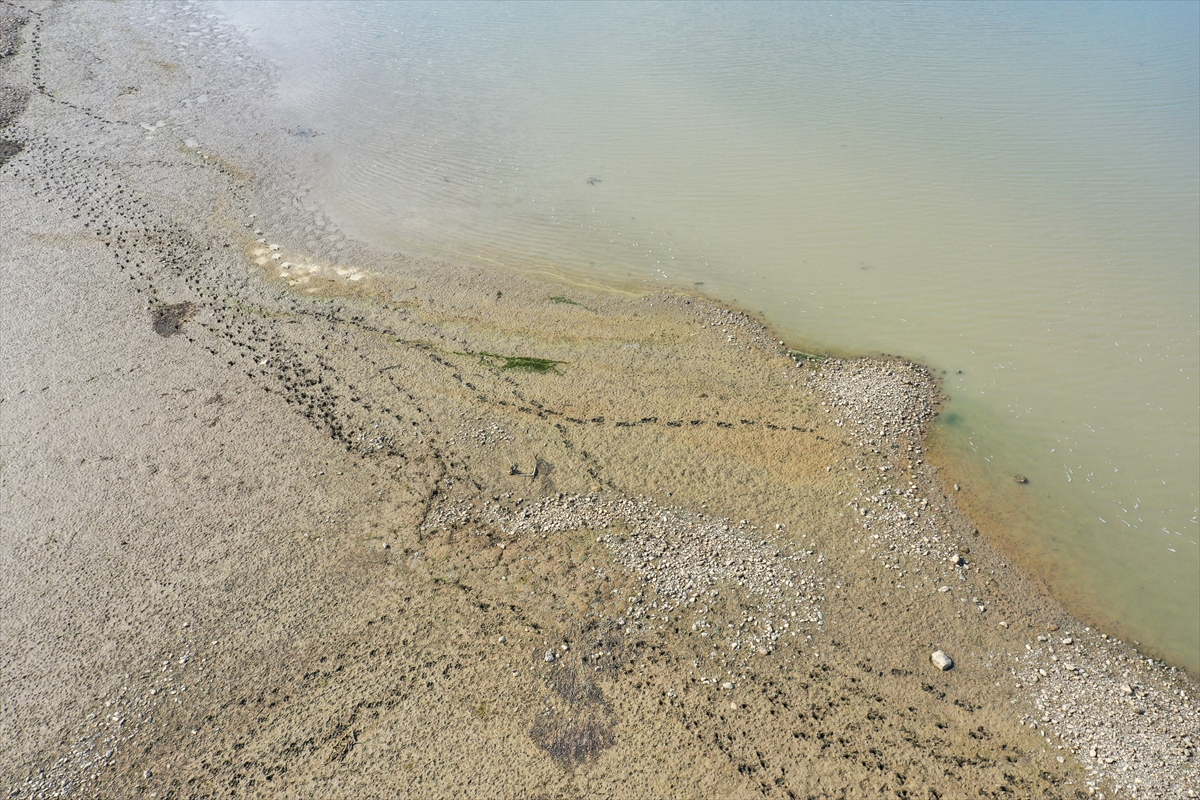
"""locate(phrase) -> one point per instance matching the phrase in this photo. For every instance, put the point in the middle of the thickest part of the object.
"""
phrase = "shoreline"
(347, 519)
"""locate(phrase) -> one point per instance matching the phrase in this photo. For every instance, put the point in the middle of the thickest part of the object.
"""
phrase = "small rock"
(1068, 640)
(550, 657)
(502, 640)
(1020, 479)
(1051, 627)
(726, 685)
(941, 660)
(1003, 624)
(1126, 689)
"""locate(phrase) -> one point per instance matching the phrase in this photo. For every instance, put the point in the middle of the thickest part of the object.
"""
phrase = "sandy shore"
(287, 516)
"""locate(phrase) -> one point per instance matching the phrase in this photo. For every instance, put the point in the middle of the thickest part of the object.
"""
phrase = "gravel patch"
(1130, 720)
(687, 558)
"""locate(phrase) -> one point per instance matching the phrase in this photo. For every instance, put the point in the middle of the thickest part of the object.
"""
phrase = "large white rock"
(941, 660)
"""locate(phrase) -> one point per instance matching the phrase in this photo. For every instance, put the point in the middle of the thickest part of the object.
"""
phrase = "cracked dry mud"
(286, 516)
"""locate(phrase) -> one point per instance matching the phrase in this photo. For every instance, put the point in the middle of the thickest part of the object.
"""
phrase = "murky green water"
(1008, 192)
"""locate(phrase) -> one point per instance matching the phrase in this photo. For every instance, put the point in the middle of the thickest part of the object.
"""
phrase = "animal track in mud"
(188, 278)
(39, 83)
(169, 319)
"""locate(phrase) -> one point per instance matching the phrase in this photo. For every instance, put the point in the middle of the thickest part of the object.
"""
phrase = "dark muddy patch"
(168, 320)
(574, 687)
(571, 741)
(12, 104)
(9, 149)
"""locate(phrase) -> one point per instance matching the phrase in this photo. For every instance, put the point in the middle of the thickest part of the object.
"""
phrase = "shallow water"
(1009, 193)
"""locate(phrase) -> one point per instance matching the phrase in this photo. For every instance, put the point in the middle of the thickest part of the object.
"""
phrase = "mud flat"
(287, 516)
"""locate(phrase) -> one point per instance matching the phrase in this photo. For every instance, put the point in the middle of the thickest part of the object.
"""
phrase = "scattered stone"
(550, 657)
(941, 660)
(684, 556)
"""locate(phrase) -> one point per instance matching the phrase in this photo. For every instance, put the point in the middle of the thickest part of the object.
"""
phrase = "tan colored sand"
(299, 527)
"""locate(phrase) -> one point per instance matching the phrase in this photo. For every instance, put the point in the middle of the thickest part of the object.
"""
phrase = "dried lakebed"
(293, 517)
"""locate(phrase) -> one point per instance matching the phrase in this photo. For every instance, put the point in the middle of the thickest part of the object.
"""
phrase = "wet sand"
(284, 515)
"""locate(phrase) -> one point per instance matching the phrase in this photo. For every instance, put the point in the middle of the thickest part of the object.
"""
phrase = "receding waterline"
(1010, 194)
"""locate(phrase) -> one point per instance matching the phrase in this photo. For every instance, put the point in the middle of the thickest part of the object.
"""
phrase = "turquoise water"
(1007, 192)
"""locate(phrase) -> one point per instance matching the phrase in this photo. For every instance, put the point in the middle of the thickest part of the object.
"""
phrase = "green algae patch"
(566, 301)
(800, 355)
(519, 363)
